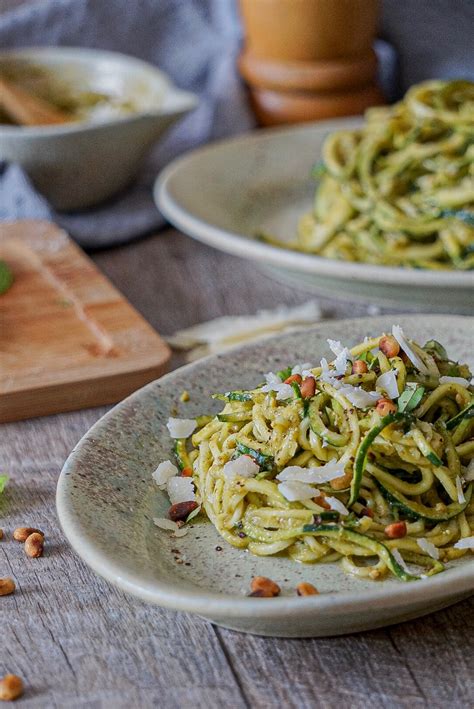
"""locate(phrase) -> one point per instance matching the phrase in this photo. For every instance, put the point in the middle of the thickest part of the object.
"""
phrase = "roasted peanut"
(262, 587)
(181, 510)
(389, 346)
(359, 367)
(306, 589)
(308, 387)
(11, 687)
(385, 406)
(294, 378)
(342, 482)
(319, 500)
(7, 586)
(34, 545)
(1, 533)
(21, 534)
(396, 530)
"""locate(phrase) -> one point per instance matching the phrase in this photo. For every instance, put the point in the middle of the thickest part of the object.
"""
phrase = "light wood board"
(68, 338)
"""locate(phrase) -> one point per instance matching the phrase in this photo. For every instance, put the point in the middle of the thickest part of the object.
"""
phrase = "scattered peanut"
(1, 533)
(34, 545)
(294, 378)
(359, 367)
(389, 346)
(264, 588)
(396, 530)
(306, 589)
(7, 586)
(11, 687)
(308, 387)
(21, 534)
(385, 406)
(181, 510)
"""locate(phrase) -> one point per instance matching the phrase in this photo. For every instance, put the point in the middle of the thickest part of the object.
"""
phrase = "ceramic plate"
(226, 193)
(106, 501)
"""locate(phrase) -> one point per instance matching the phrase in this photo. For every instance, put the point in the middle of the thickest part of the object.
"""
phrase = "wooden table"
(79, 642)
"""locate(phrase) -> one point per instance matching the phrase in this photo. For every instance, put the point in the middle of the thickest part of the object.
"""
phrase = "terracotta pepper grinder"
(306, 60)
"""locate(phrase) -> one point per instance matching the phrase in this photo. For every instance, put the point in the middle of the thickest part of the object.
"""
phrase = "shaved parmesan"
(400, 560)
(428, 547)
(454, 380)
(387, 382)
(285, 391)
(170, 526)
(323, 474)
(466, 543)
(336, 346)
(303, 369)
(417, 362)
(181, 428)
(336, 505)
(459, 490)
(164, 472)
(325, 375)
(274, 383)
(357, 396)
(468, 473)
(243, 467)
(180, 489)
(294, 491)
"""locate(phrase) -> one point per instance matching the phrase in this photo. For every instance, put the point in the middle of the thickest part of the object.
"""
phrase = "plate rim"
(243, 246)
(455, 581)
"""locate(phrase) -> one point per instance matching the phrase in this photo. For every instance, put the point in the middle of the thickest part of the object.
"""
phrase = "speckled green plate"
(106, 501)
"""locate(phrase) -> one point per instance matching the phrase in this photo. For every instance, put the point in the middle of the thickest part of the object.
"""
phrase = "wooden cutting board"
(68, 338)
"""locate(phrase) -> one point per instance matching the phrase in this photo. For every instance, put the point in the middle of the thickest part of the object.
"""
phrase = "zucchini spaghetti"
(400, 190)
(367, 460)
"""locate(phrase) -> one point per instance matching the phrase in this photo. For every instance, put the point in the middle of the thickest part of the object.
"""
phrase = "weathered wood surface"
(78, 642)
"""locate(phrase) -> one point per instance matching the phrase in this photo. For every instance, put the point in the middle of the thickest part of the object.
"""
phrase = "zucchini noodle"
(358, 460)
(400, 190)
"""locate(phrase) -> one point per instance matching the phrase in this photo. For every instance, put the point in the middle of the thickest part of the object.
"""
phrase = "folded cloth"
(196, 42)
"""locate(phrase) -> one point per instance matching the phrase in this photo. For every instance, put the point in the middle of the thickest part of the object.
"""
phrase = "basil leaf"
(436, 348)
(6, 277)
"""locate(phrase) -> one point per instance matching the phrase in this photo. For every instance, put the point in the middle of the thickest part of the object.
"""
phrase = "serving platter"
(106, 502)
(229, 193)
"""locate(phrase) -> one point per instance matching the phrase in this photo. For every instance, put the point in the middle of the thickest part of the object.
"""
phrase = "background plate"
(106, 500)
(226, 193)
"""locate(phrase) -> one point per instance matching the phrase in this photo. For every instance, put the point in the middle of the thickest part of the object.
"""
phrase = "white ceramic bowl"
(80, 164)
(225, 193)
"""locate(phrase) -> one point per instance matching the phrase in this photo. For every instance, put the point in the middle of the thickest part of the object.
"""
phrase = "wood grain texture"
(78, 642)
(69, 338)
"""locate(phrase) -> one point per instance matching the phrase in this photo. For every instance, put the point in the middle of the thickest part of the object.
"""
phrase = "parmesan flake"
(428, 547)
(243, 467)
(399, 335)
(295, 491)
(180, 428)
(336, 505)
(465, 543)
(164, 472)
(323, 474)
